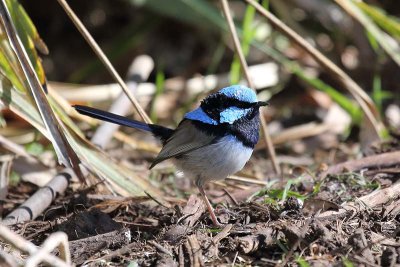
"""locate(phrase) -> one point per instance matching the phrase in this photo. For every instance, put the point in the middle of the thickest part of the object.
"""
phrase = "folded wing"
(186, 138)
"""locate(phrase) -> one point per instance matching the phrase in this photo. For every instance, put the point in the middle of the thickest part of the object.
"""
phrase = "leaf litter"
(279, 224)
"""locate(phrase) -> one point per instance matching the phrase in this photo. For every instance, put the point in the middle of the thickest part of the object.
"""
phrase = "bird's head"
(227, 106)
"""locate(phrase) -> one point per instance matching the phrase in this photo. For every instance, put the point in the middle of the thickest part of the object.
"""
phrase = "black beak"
(262, 103)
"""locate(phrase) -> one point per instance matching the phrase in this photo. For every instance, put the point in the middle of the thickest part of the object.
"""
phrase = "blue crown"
(239, 92)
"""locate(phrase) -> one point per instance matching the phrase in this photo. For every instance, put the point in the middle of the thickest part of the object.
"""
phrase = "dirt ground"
(261, 227)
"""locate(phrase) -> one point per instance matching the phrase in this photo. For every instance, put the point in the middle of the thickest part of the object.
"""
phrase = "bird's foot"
(216, 223)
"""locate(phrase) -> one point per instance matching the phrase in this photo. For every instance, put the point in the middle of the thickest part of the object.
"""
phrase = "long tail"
(159, 131)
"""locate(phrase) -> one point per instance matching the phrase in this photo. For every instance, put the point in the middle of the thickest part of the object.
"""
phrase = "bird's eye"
(215, 104)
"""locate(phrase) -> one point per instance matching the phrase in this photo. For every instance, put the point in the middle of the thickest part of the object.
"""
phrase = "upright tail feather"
(159, 131)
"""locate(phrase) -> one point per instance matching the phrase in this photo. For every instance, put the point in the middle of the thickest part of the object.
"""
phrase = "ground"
(261, 226)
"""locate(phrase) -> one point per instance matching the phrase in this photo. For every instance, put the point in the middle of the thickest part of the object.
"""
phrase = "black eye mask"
(214, 104)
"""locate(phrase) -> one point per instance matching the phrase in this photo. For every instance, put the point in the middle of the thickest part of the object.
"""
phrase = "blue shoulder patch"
(199, 115)
(240, 92)
(230, 115)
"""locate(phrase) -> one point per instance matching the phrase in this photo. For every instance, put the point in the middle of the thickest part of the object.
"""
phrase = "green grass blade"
(28, 35)
(388, 23)
(248, 35)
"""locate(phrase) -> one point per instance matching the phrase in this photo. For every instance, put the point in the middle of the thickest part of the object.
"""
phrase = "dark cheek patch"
(217, 103)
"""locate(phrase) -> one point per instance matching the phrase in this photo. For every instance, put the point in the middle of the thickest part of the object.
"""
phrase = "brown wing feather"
(185, 138)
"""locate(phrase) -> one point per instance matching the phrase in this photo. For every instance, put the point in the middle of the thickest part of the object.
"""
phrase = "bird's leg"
(208, 205)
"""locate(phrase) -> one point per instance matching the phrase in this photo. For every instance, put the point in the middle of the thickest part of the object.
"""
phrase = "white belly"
(216, 161)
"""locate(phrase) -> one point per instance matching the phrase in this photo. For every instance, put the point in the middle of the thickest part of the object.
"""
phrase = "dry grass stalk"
(388, 44)
(103, 58)
(356, 91)
(246, 180)
(267, 137)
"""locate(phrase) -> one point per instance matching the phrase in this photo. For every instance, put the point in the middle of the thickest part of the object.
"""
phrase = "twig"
(257, 237)
(221, 235)
(246, 180)
(360, 96)
(14, 147)
(193, 210)
(213, 247)
(25, 246)
(231, 197)
(165, 205)
(6, 162)
(39, 201)
(267, 137)
(118, 252)
(193, 248)
(374, 199)
(160, 248)
(234, 259)
(300, 132)
(181, 256)
(381, 160)
(58, 239)
(7, 260)
(96, 48)
(363, 261)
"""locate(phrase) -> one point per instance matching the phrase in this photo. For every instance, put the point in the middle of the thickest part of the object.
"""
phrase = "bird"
(211, 142)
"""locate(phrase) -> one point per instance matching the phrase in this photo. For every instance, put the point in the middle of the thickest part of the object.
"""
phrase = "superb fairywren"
(211, 142)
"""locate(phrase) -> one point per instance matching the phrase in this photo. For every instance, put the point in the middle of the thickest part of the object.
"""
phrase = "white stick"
(266, 75)
(138, 72)
(21, 244)
(39, 201)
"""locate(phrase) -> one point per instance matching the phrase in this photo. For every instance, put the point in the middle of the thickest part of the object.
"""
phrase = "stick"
(139, 71)
(58, 239)
(39, 201)
(381, 160)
